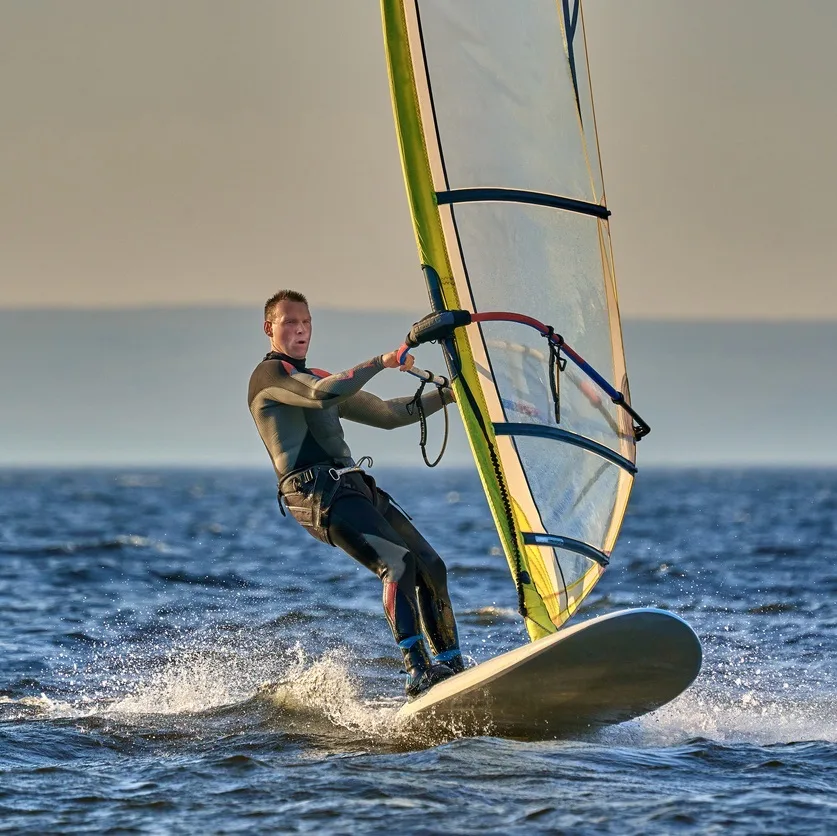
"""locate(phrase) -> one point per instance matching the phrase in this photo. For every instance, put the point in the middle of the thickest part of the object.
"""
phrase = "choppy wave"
(119, 542)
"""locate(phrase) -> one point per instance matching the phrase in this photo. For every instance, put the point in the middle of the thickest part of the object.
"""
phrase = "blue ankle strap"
(406, 644)
(447, 655)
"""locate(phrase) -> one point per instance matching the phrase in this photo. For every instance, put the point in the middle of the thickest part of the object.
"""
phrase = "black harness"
(319, 489)
(310, 494)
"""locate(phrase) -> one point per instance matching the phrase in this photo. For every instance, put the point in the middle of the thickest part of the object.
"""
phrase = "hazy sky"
(210, 151)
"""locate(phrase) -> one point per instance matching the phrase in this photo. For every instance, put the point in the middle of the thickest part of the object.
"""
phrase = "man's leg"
(358, 527)
(434, 604)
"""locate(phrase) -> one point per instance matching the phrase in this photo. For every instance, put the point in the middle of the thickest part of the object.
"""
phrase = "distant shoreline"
(167, 388)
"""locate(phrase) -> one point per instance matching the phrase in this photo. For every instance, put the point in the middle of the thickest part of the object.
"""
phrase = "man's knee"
(399, 567)
(434, 570)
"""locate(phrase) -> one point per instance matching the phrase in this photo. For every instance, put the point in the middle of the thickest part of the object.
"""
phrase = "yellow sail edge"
(433, 252)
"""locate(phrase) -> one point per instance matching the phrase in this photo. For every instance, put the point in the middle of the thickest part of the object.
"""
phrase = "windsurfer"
(297, 411)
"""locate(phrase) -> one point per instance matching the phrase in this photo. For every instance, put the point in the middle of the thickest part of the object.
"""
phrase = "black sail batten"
(556, 433)
(486, 194)
(533, 538)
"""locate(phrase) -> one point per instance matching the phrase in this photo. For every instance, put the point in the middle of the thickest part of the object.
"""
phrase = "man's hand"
(390, 361)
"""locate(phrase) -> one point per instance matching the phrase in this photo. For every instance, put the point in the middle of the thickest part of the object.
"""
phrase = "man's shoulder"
(270, 372)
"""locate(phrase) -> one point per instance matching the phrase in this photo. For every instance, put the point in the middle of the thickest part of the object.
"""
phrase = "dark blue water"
(141, 612)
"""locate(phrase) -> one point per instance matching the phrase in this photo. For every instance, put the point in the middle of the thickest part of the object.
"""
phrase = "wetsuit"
(297, 411)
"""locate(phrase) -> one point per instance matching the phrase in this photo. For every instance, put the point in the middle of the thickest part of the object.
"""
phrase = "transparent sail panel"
(521, 369)
(504, 97)
(577, 493)
(546, 263)
(574, 571)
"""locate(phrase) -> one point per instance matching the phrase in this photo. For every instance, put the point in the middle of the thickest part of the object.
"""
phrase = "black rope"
(518, 559)
(416, 405)
(521, 576)
(519, 572)
(557, 364)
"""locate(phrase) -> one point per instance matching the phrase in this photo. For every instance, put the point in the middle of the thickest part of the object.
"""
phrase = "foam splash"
(194, 681)
(760, 712)
(745, 694)
(23, 708)
(753, 718)
(323, 687)
(319, 693)
(190, 682)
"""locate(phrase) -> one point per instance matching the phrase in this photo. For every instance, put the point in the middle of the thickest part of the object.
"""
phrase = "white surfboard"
(597, 673)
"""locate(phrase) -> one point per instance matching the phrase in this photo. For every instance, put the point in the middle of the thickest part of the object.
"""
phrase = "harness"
(320, 486)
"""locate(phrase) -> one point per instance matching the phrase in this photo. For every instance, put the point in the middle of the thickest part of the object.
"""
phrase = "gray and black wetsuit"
(297, 411)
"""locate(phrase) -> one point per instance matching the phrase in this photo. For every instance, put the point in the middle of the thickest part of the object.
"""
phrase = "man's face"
(290, 328)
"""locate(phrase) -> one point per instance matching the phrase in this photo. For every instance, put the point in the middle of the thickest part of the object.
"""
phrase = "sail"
(494, 116)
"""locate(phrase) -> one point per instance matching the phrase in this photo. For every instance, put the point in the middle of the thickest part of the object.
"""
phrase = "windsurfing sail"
(494, 116)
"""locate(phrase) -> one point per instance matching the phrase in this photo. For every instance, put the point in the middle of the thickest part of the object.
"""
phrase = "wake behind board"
(597, 673)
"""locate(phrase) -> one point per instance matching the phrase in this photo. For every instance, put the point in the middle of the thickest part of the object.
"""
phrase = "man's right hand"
(390, 361)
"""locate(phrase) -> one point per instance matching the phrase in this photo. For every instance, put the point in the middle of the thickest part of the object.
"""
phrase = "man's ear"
(268, 328)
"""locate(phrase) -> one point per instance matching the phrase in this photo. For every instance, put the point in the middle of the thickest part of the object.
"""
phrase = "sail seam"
(570, 23)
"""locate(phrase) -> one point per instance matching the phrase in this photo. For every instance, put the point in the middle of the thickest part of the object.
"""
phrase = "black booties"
(422, 674)
(455, 663)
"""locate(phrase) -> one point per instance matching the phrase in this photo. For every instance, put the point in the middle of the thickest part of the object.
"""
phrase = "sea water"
(175, 657)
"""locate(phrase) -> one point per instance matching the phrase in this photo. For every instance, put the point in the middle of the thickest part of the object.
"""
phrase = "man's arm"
(366, 408)
(286, 385)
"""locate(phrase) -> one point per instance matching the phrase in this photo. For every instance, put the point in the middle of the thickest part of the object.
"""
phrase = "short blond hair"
(281, 296)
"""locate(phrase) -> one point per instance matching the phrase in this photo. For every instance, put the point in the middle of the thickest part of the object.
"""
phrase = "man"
(297, 411)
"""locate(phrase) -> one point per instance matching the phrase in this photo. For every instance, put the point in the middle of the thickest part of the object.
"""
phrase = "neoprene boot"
(451, 659)
(422, 674)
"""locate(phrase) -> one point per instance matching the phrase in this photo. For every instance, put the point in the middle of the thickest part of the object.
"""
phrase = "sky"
(208, 152)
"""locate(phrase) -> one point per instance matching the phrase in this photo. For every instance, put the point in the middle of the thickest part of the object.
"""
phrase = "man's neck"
(275, 354)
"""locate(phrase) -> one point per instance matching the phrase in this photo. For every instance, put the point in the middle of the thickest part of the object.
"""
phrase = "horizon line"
(153, 307)
(401, 464)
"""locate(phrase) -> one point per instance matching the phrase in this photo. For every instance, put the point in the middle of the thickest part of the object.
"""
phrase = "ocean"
(143, 611)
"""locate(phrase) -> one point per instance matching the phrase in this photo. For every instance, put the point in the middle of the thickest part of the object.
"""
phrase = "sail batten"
(520, 196)
(546, 431)
(497, 135)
